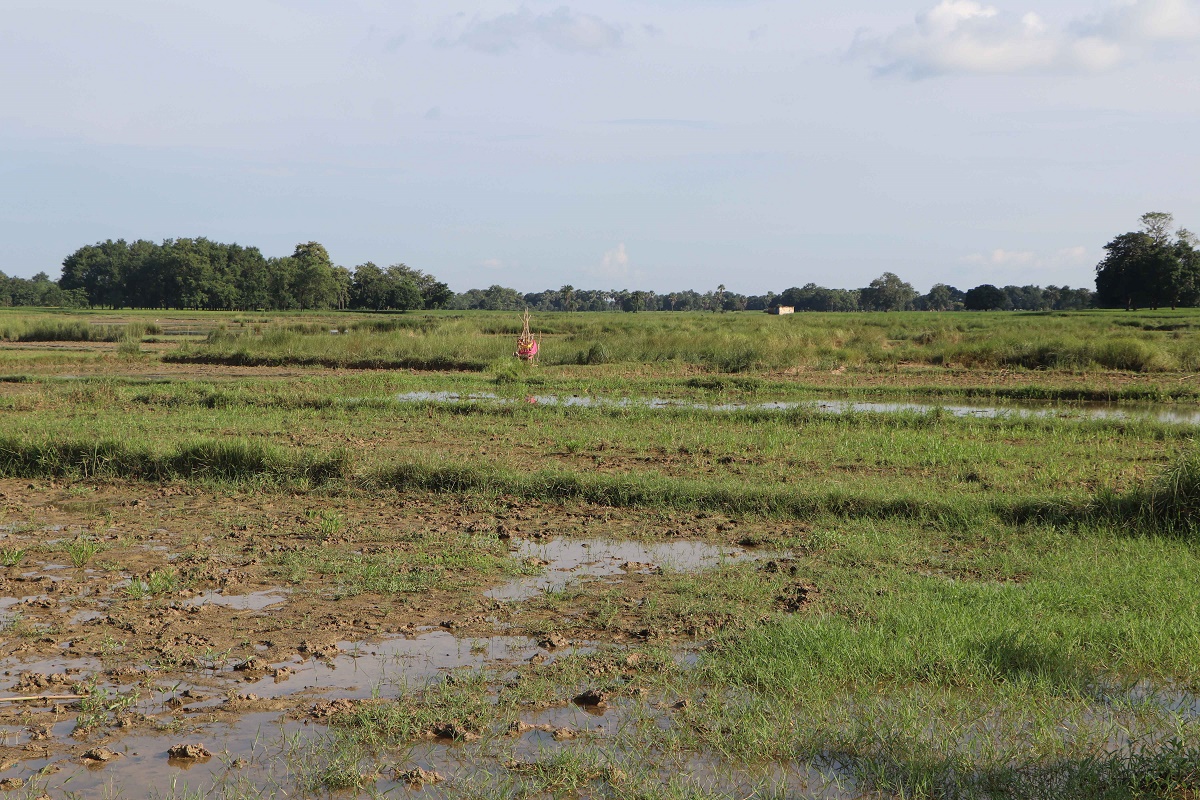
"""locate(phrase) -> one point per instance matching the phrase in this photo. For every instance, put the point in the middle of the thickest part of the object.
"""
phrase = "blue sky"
(654, 144)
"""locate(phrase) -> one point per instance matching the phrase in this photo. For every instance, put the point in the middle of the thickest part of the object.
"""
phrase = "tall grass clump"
(76, 331)
(129, 347)
(1168, 503)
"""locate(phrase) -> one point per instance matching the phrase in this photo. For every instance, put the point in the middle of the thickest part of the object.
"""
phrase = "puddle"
(267, 750)
(269, 756)
(359, 671)
(392, 666)
(568, 560)
(1169, 698)
(1175, 414)
(256, 601)
(144, 770)
(82, 617)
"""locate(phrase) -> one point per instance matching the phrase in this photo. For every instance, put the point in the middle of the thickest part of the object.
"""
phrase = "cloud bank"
(1001, 259)
(970, 37)
(562, 29)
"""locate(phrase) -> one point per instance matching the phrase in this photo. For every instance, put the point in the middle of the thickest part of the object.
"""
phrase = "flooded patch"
(568, 560)
(251, 753)
(83, 617)
(87, 507)
(1173, 414)
(393, 666)
(256, 601)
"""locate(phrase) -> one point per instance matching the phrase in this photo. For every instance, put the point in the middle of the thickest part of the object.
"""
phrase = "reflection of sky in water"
(569, 559)
(1178, 414)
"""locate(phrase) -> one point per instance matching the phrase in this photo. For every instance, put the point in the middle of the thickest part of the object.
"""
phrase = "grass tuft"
(82, 550)
(1168, 504)
(11, 556)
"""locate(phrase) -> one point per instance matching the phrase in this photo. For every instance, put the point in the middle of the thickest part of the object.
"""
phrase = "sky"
(640, 144)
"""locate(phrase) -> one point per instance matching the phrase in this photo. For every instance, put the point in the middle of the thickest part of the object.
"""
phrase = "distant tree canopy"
(1147, 266)
(38, 291)
(811, 297)
(886, 293)
(1150, 267)
(203, 274)
(986, 298)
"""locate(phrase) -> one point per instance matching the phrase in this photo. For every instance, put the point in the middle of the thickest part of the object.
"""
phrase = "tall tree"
(986, 297)
(887, 293)
(942, 298)
(313, 283)
(1157, 225)
(567, 297)
(1121, 278)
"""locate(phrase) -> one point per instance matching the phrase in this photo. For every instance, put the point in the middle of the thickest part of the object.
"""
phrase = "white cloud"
(492, 263)
(1148, 21)
(562, 29)
(1000, 258)
(617, 260)
(1067, 256)
(615, 264)
(969, 37)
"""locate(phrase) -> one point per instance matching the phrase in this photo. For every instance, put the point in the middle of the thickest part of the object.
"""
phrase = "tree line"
(203, 274)
(38, 291)
(1155, 266)
(888, 292)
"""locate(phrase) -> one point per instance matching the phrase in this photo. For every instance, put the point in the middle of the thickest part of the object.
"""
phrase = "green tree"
(342, 279)
(1148, 267)
(567, 297)
(1120, 277)
(986, 297)
(100, 270)
(1157, 225)
(281, 280)
(887, 293)
(369, 287)
(313, 283)
(942, 298)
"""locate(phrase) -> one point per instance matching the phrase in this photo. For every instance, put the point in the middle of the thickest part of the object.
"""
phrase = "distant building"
(781, 310)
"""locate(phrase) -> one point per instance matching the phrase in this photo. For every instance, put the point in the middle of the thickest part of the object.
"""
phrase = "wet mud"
(229, 653)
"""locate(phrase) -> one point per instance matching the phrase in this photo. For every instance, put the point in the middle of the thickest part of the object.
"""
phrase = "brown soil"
(69, 627)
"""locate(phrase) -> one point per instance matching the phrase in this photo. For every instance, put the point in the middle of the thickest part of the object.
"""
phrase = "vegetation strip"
(1170, 503)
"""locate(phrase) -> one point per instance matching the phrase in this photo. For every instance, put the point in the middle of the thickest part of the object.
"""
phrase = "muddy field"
(279, 581)
(189, 625)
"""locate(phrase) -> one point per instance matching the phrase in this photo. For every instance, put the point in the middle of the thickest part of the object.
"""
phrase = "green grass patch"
(452, 561)
(207, 460)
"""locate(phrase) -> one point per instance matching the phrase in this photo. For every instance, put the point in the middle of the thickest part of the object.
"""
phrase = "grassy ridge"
(245, 358)
(791, 463)
(1140, 342)
(1169, 503)
(645, 491)
(1148, 342)
(228, 461)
